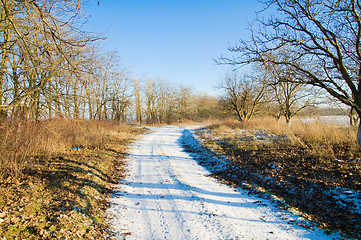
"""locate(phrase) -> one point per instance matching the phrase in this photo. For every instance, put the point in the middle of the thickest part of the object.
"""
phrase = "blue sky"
(173, 40)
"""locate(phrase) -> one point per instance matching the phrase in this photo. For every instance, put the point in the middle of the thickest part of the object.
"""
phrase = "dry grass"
(16, 145)
(330, 140)
(56, 177)
(330, 150)
(23, 141)
(298, 163)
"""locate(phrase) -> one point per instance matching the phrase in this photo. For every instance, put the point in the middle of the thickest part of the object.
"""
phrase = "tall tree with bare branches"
(39, 43)
(324, 39)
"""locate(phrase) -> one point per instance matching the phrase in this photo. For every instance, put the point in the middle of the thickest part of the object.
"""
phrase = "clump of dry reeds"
(325, 139)
(315, 134)
(18, 142)
(22, 141)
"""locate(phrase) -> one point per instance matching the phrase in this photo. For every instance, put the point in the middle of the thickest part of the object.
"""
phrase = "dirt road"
(167, 195)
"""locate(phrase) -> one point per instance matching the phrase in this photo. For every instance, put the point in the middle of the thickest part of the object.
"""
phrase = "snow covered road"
(167, 195)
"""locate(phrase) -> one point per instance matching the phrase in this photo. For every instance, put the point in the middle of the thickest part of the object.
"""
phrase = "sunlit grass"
(298, 163)
(57, 176)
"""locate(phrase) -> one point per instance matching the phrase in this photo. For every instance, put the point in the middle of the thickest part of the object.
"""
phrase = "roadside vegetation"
(313, 167)
(57, 176)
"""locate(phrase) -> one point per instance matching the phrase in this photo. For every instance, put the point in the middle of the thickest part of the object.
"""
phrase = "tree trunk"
(138, 107)
(91, 116)
(353, 116)
(4, 59)
(76, 98)
(359, 135)
(288, 119)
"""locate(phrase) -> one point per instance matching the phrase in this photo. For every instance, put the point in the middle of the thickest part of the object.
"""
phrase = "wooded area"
(51, 68)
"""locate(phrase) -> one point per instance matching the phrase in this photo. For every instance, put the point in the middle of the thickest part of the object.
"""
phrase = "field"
(313, 167)
(57, 176)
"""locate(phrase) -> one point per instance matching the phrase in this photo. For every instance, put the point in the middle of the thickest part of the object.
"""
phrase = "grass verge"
(315, 168)
(60, 175)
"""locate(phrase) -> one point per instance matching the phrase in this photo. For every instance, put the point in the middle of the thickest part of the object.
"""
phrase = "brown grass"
(23, 141)
(57, 175)
(314, 156)
(317, 135)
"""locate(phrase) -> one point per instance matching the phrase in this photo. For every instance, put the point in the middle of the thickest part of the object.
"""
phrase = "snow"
(343, 120)
(347, 200)
(168, 195)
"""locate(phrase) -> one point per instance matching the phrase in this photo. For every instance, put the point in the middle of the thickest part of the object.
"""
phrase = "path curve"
(167, 195)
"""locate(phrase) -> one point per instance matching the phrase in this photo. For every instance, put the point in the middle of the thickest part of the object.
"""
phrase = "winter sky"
(173, 40)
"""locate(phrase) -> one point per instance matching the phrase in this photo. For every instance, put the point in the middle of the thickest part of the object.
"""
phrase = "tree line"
(48, 64)
(50, 67)
(157, 101)
(266, 92)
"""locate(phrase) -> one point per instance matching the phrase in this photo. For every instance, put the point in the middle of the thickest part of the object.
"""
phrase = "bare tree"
(184, 105)
(137, 100)
(39, 44)
(206, 107)
(242, 95)
(151, 97)
(289, 96)
(108, 88)
(324, 38)
(167, 103)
